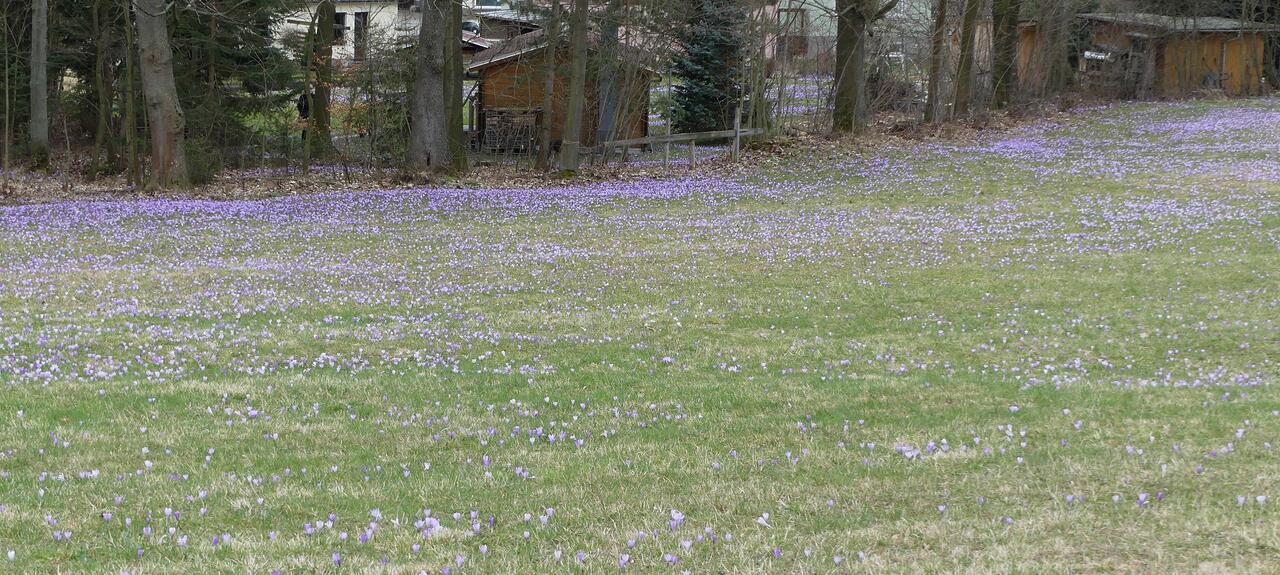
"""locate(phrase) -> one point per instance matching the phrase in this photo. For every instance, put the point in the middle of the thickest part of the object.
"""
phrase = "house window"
(340, 29)
(793, 31)
(361, 36)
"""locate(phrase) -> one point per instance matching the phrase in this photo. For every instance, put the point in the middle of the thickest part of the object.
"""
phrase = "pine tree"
(707, 66)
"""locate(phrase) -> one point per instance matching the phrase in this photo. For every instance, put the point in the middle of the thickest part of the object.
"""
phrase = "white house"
(359, 21)
(806, 28)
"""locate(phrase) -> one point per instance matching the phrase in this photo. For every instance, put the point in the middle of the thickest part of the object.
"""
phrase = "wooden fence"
(692, 138)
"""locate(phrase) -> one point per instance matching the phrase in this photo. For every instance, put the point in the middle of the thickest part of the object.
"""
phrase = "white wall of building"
(386, 19)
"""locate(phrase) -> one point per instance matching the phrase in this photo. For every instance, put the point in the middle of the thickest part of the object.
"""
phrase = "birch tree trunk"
(937, 63)
(569, 147)
(964, 70)
(164, 112)
(39, 126)
(429, 147)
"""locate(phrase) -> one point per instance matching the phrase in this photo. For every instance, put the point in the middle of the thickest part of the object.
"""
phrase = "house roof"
(1178, 23)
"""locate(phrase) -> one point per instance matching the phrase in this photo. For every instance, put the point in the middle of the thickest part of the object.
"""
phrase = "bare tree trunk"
(577, 89)
(130, 107)
(103, 143)
(213, 50)
(453, 86)
(937, 62)
(850, 27)
(548, 87)
(853, 17)
(1054, 19)
(8, 106)
(860, 79)
(964, 71)
(39, 124)
(164, 112)
(758, 37)
(1271, 52)
(429, 147)
(319, 140)
(608, 81)
(308, 59)
(848, 19)
(1005, 45)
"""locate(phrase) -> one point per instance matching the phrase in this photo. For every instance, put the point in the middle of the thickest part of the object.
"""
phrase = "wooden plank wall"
(520, 84)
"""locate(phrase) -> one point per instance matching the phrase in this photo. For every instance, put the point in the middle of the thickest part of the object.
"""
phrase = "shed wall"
(520, 84)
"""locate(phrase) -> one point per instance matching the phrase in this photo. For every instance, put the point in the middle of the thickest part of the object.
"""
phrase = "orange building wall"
(1182, 63)
(1028, 40)
(519, 84)
(1237, 58)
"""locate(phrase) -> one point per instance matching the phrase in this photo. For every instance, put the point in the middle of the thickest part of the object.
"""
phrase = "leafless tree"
(964, 71)
(435, 133)
(853, 17)
(937, 62)
(319, 142)
(164, 112)
(1004, 17)
(572, 137)
(130, 107)
(551, 25)
(39, 123)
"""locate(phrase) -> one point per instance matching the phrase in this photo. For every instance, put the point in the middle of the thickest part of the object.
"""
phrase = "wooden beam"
(687, 137)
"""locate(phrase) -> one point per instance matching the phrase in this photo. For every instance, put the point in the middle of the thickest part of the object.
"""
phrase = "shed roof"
(476, 40)
(536, 40)
(510, 15)
(1179, 23)
(509, 50)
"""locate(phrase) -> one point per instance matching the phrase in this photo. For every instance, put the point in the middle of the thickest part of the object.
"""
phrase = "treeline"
(172, 81)
(168, 93)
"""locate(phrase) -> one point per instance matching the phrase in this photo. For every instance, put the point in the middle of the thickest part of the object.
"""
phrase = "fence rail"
(691, 138)
(681, 138)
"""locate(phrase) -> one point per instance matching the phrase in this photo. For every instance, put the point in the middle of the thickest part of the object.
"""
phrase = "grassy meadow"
(1053, 349)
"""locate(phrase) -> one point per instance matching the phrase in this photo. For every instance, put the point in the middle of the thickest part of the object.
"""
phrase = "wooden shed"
(1141, 55)
(512, 83)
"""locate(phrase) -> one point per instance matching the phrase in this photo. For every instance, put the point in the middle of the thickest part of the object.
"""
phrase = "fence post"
(737, 133)
(666, 148)
(693, 154)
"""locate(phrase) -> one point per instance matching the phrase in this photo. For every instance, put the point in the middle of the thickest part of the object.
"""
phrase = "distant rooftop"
(1178, 23)
(536, 40)
(509, 15)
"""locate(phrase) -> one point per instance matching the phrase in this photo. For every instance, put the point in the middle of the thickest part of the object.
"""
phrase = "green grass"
(913, 294)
